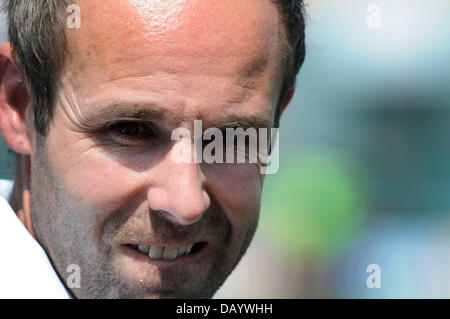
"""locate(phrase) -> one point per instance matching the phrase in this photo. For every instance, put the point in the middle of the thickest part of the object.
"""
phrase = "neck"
(20, 196)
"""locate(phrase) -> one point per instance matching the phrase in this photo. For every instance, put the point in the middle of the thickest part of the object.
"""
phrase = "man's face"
(103, 180)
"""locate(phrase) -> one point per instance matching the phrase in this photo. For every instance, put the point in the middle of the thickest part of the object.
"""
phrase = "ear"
(14, 103)
(287, 100)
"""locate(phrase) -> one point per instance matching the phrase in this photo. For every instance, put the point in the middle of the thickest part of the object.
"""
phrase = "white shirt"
(25, 270)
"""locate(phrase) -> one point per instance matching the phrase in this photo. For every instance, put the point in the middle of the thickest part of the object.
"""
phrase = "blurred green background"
(364, 174)
(364, 161)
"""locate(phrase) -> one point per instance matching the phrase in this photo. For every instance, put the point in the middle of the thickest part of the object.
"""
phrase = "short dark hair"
(37, 34)
(293, 18)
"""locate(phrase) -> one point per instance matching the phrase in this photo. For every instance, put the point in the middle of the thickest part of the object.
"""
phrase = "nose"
(178, 190)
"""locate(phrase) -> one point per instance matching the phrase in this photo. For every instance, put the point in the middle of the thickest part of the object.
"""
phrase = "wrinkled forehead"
(242, 32)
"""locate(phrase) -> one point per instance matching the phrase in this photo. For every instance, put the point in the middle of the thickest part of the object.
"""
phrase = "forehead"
(244, 34)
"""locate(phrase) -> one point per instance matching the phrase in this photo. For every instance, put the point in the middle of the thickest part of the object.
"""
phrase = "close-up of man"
(89, 107)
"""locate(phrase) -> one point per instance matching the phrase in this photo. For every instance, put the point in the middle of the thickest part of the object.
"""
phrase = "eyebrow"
(153, 112)
(135, 111)
(245, 122)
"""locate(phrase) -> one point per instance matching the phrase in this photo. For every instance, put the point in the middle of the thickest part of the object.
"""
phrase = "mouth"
(155, 252)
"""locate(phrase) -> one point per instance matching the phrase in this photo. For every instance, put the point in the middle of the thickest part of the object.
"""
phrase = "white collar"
(25, 270)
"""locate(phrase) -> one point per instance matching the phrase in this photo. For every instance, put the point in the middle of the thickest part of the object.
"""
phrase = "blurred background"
(364, 160)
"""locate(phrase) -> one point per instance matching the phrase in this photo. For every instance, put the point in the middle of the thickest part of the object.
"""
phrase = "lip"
(165, 244)
(180, 261)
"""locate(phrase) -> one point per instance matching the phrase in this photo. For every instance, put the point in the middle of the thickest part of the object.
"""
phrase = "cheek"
(89, 177)
(238, 189)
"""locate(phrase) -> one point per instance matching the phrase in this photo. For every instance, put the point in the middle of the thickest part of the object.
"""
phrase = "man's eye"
(131, 133)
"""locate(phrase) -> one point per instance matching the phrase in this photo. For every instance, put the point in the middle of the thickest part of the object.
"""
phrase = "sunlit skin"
(156, 65)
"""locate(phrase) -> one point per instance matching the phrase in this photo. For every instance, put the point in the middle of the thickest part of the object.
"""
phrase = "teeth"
(170, 253)
(144, 248)
(156, 252)
(181, 250)
(167, 253)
